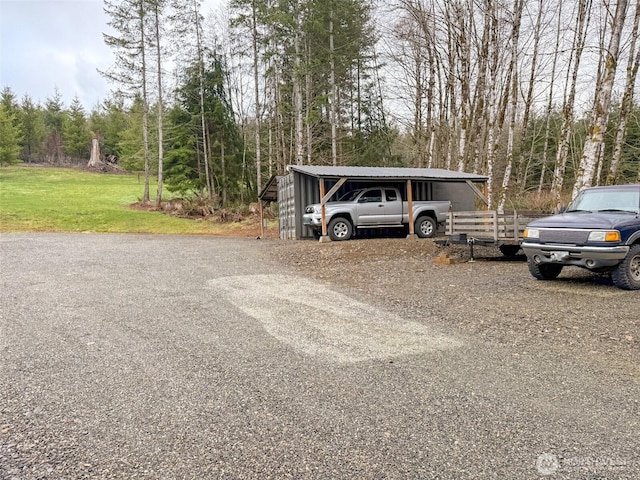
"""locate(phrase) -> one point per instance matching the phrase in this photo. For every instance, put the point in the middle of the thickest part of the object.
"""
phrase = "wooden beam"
(478, 192)
(325, 198)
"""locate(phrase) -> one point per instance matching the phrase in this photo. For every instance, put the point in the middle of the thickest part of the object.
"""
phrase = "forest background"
(539, 96)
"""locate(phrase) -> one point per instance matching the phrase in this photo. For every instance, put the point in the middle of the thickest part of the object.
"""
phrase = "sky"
(49, 44)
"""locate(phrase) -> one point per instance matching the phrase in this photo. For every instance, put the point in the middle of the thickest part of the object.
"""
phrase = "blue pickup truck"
(599, 231)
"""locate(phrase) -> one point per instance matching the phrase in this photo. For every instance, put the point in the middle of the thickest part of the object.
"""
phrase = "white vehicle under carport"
(375, 207)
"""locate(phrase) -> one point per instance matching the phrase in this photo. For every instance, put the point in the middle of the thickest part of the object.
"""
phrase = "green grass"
(68, 200)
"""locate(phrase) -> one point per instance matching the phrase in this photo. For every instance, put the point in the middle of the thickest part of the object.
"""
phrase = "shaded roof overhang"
(270, 191)
(387, 173)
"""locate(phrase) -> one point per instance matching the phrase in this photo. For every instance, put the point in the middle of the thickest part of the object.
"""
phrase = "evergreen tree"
(220, 135)
(75, 132)
(183, 164)
(8, 100)
(33, 131)
(9, 137)
(134, 155)
(130, 20)
(54, 120)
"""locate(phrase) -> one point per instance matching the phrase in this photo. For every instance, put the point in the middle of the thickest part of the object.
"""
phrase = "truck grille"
(562, 235)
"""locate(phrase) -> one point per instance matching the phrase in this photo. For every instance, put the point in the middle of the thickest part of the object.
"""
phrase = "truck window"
(372, 196)
(391, 195)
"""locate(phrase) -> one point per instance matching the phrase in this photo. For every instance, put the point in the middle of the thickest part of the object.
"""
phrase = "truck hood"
(586, 220)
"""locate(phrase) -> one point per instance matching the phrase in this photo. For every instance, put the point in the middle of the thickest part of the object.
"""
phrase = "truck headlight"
(604, 236)
(531, 233)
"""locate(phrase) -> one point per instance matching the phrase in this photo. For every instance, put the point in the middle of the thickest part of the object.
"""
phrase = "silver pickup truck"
(374, 207)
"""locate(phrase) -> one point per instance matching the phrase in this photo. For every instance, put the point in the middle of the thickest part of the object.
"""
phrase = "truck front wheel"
(544, 271)
(627, 274)
(425, 227)
(339, 229)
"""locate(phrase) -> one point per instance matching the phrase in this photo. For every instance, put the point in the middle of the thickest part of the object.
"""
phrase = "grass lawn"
(67, 200)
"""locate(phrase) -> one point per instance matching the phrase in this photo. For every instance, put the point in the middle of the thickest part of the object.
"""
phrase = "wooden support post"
(261, 219)
(323, 208)
(410, 218)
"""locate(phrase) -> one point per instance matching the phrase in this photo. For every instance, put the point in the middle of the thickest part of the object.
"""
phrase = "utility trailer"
(488, 228)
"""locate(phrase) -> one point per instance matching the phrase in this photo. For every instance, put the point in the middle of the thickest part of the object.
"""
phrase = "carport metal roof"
(388, 173)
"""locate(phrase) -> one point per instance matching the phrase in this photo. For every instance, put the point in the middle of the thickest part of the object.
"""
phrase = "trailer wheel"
(425, 227)
(627, 274)
(509, 250)
(339, 229)
(544, 271)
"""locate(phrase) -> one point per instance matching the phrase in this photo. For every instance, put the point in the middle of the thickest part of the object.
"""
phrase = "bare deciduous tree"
(627, 99)
(594, 143)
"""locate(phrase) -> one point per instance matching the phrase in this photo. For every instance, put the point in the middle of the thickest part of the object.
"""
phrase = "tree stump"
(95, 161)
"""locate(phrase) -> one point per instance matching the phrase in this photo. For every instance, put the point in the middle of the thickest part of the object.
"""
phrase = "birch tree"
(595, 140)
(513, 75)
(626, 105)
(200, 60)
(334, 91)
(549, 109)
(493, 63)
(158, 7)
(583, 18)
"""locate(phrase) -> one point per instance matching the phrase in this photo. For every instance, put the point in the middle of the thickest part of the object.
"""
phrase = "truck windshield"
(606, 200)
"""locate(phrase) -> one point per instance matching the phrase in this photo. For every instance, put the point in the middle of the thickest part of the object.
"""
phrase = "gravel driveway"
(162, 357)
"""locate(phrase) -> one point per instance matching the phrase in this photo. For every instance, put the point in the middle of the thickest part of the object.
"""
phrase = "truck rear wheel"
(544, 271)
(425, 227)
(339, 229)
(627, 274)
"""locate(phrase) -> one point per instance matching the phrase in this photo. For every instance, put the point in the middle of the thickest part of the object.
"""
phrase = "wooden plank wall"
(490, 224)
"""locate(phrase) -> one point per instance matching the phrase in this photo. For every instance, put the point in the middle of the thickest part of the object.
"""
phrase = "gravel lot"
(134, 356)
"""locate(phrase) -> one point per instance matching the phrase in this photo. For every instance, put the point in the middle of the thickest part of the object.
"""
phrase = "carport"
(305, 185)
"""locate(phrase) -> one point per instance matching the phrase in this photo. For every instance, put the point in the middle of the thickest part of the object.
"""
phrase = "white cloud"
(49, 44)
(57, 44)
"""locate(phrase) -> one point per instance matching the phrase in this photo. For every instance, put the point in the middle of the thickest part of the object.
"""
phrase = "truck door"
(392, 207)
(370, 208)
